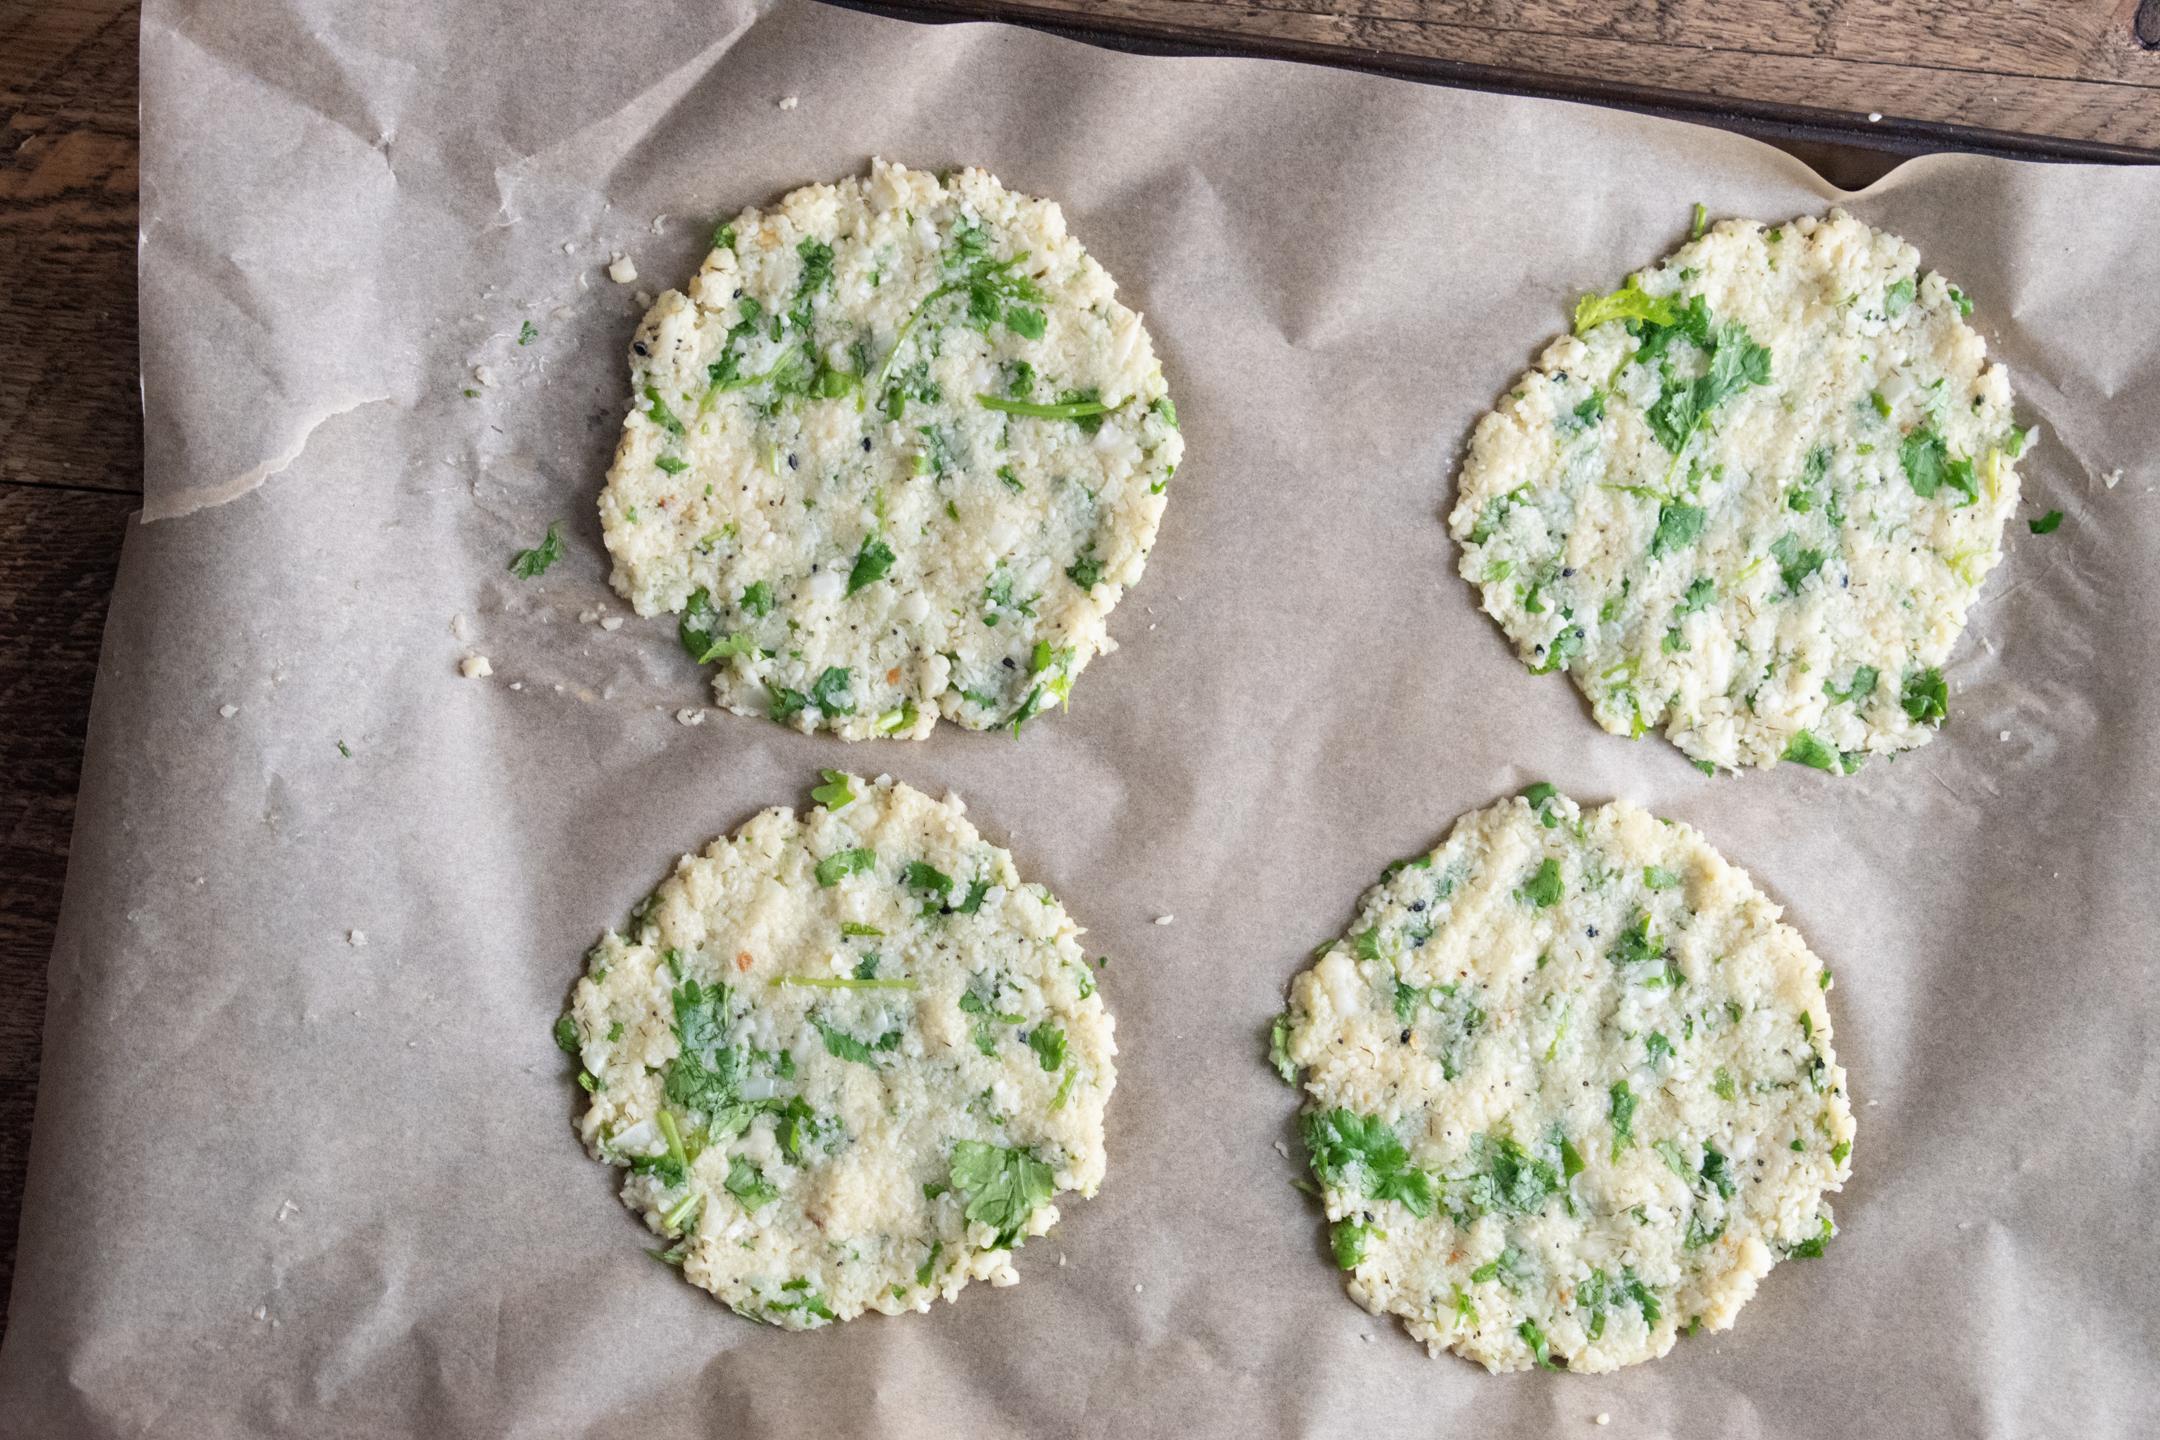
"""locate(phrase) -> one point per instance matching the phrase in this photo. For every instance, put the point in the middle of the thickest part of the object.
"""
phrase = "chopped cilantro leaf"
(1624, 1102)
(1541, 797)
(842, 863)
(700, 633)
(1592, 409)
(1656, 1047)
(1929, 466)
(1363, 1153)
(1677, 525)
(527, 333)
(849, 927)
(834, 692)
(1349, 1239)
(566, 1034)
(535, 562)
(1722, 1084)
(937, 1248)
(1005, 1186)
(973, 903)
(1862, 686)
(846, 1047)
(1807, 750)
(1048, 1043)
(748, 1184)
(1085, 572)
(927, 877)
(1278, 1050)
(871, 563)
(1898, 298)
(1926, 696)
(1408, 862)
(1657, 877)
(1795, 564)
(657, 408)
(1812, 1247)
(833, 794)
(1544, 888)
(1528, 1330)
(1626, 303)
(2047, 524)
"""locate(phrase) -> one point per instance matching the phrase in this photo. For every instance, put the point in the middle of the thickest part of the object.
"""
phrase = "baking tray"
(1845, 147)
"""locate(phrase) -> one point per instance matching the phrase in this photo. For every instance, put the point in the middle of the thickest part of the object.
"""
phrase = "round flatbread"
(847, 1060)
(896, 454)
(1569, 1088)
(1751, 498)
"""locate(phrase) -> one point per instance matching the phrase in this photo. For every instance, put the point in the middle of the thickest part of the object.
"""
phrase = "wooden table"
(2027, 75)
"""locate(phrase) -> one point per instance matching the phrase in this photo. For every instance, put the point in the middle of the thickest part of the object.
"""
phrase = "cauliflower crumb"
(790, 103)
(475, 667)
(483, 374)
(621, 271)
(228, 711)
(356, 938)
(690, 715)
(611, 623)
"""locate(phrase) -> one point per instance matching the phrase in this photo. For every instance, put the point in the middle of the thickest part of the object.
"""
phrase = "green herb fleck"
(2047, 524)
(1278, 1049)
(1862, 686)
(833, 794)
(1926, 697)
(1357, 1152)
(1929, 466)
(1678, 525)
(1349, 1239)
(842, 863)
(1005, 1186)
(1048, 1043)
(1541, 797)
(748, 1184)
(1544, 888)
(1807, 750)
(1624, 1102)
(871, 563)
(1626, 303)
(528, 564)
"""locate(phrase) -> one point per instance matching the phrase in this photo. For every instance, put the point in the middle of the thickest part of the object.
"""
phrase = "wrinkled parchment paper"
(288, 1182)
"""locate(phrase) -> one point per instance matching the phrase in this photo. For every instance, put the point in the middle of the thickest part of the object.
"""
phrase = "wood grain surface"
(2066, 69)
(70, 414)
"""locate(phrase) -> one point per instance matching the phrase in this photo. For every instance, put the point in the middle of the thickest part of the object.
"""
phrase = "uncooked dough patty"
(1569, 1088)
(896, 454)
(847, 1060)
(1751, 498)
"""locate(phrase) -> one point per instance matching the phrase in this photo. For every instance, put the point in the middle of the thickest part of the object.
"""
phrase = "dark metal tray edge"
(1767, 120)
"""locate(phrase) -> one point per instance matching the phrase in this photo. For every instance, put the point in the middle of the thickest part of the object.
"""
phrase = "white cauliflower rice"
(1569, 1088)
(1751, 498)
(896, 454)
(847, 1061)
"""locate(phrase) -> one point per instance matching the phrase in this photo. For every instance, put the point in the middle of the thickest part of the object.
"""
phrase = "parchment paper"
(286, 1183)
